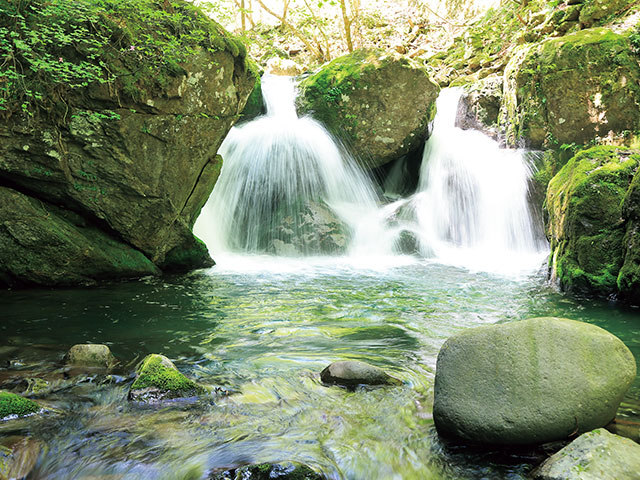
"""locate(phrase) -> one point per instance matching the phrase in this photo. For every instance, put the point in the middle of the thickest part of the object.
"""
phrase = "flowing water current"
(260, 326)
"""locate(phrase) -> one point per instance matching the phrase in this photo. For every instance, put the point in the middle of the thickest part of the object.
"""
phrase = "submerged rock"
(267, 471)
(134, 158)
(529, 382)
(12, 404)
(18, 456)
(572, 89)
(593, 223)
(312, 228)
(351, 373)
(596, 455)
(379, 103)
(157, 378)
(90, 355)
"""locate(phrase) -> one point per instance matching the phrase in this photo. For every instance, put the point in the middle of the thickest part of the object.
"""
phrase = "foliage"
(49, 48)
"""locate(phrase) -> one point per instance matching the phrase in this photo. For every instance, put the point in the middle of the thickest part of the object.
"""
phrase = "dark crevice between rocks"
(400, 178)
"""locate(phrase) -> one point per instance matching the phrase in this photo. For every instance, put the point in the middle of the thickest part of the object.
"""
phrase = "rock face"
(134, 163)
(572, 89)
(479, 106)
(529, 382)
(157, 378)
(379, 104)
(90, 355)
(596, 455)
(593, 211)
(12, 404)
(351, 373)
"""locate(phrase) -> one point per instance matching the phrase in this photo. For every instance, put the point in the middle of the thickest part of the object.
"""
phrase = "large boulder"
(596, 455)
(529, 382)
(379, 103)
(592, 223)
(132, 147)
(572, 89)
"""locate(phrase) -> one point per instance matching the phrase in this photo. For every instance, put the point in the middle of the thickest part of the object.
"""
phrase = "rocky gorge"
(291, 359)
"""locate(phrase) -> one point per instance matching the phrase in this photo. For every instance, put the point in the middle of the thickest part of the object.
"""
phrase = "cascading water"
(285, 187)
(472, 208)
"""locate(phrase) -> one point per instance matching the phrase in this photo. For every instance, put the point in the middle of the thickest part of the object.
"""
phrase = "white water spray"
(285, 186)
(472, 208)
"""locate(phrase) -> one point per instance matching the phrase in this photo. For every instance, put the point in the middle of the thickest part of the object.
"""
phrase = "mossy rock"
(18, 456)
(572, 89)
(12, 404)
(131, 150)
(529, 382)
(585, 224)
(380, 104)
(157, 378)
(43, 244)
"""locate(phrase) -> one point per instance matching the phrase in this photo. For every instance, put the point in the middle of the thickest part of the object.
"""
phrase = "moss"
(584, 204)
(574, 88)
(11, 404)
(158, 372)
(136, 46)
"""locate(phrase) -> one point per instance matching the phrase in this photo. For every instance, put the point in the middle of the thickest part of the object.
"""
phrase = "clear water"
(264, 337)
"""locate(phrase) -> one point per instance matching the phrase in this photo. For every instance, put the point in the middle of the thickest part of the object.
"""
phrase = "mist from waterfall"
(287, 190)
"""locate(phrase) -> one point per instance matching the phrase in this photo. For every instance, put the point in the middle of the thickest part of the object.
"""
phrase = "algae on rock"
(380, 104)
(157, 378)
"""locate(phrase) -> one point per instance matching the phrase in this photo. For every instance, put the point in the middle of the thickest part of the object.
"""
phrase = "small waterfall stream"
(287, 189)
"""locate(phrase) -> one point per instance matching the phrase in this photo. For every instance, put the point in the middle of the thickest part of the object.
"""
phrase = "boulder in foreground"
(529, 382)
(596, 455)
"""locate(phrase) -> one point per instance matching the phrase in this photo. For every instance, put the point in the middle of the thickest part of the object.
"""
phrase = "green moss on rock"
(158, 378)
(12, 404)
(572, 89)
(379, 104)
(585, 218)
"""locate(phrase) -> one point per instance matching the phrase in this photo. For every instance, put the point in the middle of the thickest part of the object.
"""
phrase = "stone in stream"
(351, 373)
(596, 455)
(157, 378)
(12, 404)
(90, 355)
(266, 471)
(18, 456)
(529, 382)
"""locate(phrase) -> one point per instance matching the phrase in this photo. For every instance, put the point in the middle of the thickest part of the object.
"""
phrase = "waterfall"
(285, 188)
(472, 205)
